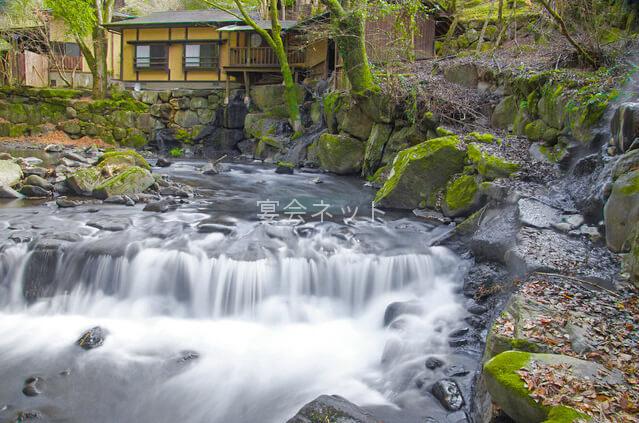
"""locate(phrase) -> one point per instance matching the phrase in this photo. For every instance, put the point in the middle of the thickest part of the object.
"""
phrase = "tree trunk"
(99, 70)
(352, 48)
(290, 89)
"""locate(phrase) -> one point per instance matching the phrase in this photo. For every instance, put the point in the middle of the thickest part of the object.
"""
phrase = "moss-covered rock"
(258, 125)
(123, 157)
(84, 181)
(123, 119)
(483, 138)
(463, 74)
(551, 107)
(10, 173)
(540, 131)
(420, 173)
(621, 212)
(489, 166)
(267, 147)
(332, 104)
(632, 259)
(271, 99)
(462, 197)
(509, 391)
(352, 120)
(135, 139)
(133, 180)
(400, 139)
(375, 147)
(340, 154)
(504, 114)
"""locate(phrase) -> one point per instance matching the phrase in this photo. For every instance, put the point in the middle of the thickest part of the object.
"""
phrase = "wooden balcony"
(262, 57)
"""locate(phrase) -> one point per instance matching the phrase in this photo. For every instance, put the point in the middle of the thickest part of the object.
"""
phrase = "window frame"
(162, 63)
(214, 59)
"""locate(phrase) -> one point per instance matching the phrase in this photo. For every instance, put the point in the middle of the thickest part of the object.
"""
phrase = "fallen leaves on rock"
(608, 322)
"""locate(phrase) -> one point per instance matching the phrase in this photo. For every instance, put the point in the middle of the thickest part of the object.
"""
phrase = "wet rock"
(210, 169)
(162, 162)
(133, 180)
(332, 408)
(10, 173)
(420, 173)
(456, 371)
(32, 191)
(458, 343)
(340, 154)
(209, 228)
(448, 394)
(285, 168)
(110, 224)
(33, 386)
(54, 148)
(622, 211)
(459, 333)
(174, 191)
(22, 236)
(433, 363)
(158, 206)
(64, 202)
(38, 182)
(37, 171)
(8, 192)
(93, 338)
(396, 309)
(476, 322)
(537, 214)
(187, 356)
(495, 233)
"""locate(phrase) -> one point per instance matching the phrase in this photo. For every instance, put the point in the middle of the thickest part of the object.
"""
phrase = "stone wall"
(128, 118)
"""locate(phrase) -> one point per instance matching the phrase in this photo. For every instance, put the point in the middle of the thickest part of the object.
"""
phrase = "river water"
(216, 315)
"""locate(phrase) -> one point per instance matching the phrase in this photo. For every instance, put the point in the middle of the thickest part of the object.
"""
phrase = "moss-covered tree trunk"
(349, 21)
(100, 73)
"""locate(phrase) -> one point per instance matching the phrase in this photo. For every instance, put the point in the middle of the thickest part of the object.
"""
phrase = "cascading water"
(274, 314)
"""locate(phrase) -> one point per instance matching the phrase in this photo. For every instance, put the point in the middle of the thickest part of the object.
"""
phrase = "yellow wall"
(176, 54)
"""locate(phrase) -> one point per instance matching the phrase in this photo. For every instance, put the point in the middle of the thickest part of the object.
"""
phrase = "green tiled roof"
(178, 17)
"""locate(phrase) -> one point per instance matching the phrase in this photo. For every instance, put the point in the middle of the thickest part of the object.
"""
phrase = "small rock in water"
(64, 202)
(8, 192)
(158, 206)
(449, 394)
(456, 370)
(186, 356)
(210, 169)
(477, 309)
(433, 363)
(33, 386)
(456, 343)
(317, 181)
(285, 168)
(129, 201)
(476, 322)
(21, 236)
(54, 148)
(162, 162)
(113, 225)
(93, 338)
(458, 333)
(27, 416)
(394, 310)
(325, 409)
(209, 228)
(32, 191)
(173, 191)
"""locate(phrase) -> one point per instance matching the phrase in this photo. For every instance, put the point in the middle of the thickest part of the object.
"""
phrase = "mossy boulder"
(400, 139)
(463, 196)
(621, 212)
(267, 147)
(632, 259)
(504, 114)
(123, 119)
(84, 181)
(509, 391)
(258, 125)
(123, 157)
(625, 126)
(332, 102)
(10, 173)
(420, 173)
(186, 118)
(133, 180)
(271, 99)
(551, 107)
(489, 166)
(352, 120)
(375, 147)
(483, 138)
(135, 138)
(340, 154)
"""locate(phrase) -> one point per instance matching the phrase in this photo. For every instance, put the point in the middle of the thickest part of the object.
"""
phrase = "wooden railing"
(262, 57)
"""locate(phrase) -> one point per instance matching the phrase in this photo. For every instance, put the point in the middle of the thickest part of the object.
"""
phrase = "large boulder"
(84, 181)
(258, 125)
(621, 212)
(375, 147)
(552, 106)
(10, 173)
(402, 138)
(123, 158)
(352, 120)
(510, 392)
(420, 173)
(133, 180)
(463, 196)
(504, 114)
(272, 99)
(625, 126)
(332, 408)
(340, 154)
(489, 166)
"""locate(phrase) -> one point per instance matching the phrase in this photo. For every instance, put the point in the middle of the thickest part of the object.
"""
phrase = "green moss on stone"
(483, 138)
(119, 157)
(443, 132)
(489, 166)
(340, 154)
(628, 184)
(562, 414)
(134, 139)
(503, 368)
(130, 181)
(461, 193)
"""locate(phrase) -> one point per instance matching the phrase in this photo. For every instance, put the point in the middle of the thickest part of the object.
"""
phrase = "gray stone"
(504, 114)
(327, 407)
(64, 202)
(199, 103)
(162, 111)
(38, 182)
(625, 126)
(110, 224)
(38, 171)
(464, 74)
(33, 191)
(10, 173)
(180, 103)
(186, 118)
(206, 115)
(448, 394)
(149, 97)
(8, 192)
(93, 338)
(621, 212)
(537, 214)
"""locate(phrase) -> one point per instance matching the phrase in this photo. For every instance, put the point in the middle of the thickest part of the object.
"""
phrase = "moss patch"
(503, 368)
(461, 193)
(489, 166)
(483, 138)
(129, 157)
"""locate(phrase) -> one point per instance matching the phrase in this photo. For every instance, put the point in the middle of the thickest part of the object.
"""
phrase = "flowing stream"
(213, 315)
